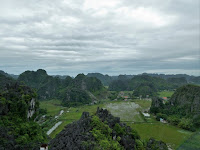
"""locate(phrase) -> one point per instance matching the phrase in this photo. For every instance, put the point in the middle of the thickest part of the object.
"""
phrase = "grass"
(144, 104)
(192, 143)
(53, 107)
(72, 114)
(173, 136)
(165, 93)
(127, 92)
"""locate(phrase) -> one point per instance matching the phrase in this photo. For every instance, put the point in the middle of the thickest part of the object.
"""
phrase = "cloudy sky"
(108, 36)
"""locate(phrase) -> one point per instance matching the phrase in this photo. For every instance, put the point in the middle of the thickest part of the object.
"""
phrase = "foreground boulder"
(101, 131)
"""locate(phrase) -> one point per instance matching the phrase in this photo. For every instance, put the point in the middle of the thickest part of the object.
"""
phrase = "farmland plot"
(127, 111)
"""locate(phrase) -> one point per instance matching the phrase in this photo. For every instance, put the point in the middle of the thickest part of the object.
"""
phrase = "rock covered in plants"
(72, 92)
(18, 108)
(152, 144)
(100, 131)
(182, 109)
(187, 97)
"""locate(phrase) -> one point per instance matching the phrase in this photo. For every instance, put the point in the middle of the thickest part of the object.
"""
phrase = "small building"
(126, 97)
(162, 120)
(44, 147)
(146, 114)
(164, 98)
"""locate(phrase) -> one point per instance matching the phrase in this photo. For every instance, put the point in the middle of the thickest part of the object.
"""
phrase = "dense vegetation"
(17, 128)
(182, 109)
(46, 86)
(73, 92)
(107, 80)
(145, 85)
(5, 80)
(189, 78)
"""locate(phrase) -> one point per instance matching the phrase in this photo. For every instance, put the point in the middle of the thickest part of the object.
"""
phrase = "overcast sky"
(107, 36)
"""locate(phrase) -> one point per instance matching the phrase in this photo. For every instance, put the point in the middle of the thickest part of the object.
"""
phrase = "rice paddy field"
(128, 112)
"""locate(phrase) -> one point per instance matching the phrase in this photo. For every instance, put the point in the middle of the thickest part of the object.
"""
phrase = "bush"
(186, 124)
(139, 145)
(174, 120)
(196, 121)
(120, 130)
(135, 134)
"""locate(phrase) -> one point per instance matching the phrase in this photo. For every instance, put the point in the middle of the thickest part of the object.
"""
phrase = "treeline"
(182, 109)
(145, 85)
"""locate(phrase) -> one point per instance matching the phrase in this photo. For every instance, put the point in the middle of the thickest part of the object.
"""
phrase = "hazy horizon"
(113, 37)
(74, 75)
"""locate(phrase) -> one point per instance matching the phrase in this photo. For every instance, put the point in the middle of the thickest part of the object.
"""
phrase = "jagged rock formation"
(45, 85)
(105, 79)
(74, 134)
(5, 80)
(17, 98)
(102, 131)
(18, 108)
(187, 97)
(152, 144)
(31, 109)
(182, 109)
(156, 105)
(81, 91)
(72, 92)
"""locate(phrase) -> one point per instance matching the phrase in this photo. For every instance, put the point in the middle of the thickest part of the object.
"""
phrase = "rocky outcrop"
(156, 105)
(157, 102)
(187, 97)
(152, 144)
(72, 137)
(31, 109)
(18, 99)
(79, 135)
(106, 116)
(18, 107)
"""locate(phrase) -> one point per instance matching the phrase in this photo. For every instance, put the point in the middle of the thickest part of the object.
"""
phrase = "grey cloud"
(64, 37)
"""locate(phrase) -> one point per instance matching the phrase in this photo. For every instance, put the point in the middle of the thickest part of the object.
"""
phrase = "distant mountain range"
(8, 75)
(106, 79)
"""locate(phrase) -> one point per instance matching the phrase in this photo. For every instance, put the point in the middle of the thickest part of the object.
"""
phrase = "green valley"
(129, 114)
(139, 111)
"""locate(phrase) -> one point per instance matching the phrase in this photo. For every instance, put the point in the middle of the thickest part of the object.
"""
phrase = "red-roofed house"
(164, 98)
